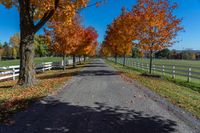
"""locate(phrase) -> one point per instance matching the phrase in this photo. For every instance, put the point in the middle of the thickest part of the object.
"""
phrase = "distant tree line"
(169, 54)
(10, 50)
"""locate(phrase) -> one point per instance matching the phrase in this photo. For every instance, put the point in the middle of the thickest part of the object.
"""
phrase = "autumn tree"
(120, 34)
(34, 14)
(65, 37)
(151, 24)
(88, 43)
(41, 47)
(7, 51)
(105, 50)
(14, 42)
(158, 25)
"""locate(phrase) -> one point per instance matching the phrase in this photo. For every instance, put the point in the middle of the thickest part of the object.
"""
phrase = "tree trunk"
(27, 31)
(79, 59)
(124, 61)
(74, 61)
(27, 70)
(64, 61)
(151, 60)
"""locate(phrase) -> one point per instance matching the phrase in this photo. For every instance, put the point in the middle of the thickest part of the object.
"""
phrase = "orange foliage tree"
(72, 39)
(88, 43)
(65, 38)
(34, 14)
(151, 24)
(105, 50)
(120, 35)
(158, 26)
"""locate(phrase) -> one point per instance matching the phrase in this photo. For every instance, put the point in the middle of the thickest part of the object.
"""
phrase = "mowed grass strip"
(192, 63)
(37, 60)
(181, 96)
(14, 98)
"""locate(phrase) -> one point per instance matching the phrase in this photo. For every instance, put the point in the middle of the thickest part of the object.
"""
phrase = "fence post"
(50, 65)
(43, 67)
(163, 69)
(189, 74)
(142, 66)
(147, 67)
(173, 72)
(138, 66)
(154, 68)
(128, 62)
(13, 73)
(131, 63)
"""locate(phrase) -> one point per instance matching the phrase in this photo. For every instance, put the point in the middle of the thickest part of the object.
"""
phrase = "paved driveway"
(97, 100)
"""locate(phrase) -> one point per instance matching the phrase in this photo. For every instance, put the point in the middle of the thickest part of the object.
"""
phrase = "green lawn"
(182, 96)
(181, 68)
(37, 61)
(170, 62)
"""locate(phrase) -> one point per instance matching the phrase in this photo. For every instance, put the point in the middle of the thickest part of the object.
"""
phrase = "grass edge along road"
(181, 96)
(14, 98)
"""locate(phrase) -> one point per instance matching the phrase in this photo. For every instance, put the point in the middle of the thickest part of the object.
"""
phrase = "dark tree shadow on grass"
(54, 116)
(59, 75)
(5, 86)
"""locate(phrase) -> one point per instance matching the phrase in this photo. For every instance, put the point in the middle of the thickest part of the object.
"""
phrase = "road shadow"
(96, 63)
(59, 75)
(98, 73)
(54, 116)
(95, 66)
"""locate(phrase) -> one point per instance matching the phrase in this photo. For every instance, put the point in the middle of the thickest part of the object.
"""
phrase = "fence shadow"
(55, 116)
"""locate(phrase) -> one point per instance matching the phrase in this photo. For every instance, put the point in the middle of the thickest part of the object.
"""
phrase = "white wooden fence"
(11, 72)
(187, 72)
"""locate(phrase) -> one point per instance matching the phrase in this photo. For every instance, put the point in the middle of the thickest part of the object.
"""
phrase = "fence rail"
(188, 72)
(11, 72)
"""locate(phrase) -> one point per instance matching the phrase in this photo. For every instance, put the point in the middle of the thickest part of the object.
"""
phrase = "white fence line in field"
(11, 72)
(188, 72)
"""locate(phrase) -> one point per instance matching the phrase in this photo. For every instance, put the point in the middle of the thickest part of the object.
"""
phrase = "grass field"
(183, 97)
(170, 62)
(181, 68)
(37, 60)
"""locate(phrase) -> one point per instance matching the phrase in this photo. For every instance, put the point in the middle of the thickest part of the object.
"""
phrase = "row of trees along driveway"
(150, 26)
(34, 15)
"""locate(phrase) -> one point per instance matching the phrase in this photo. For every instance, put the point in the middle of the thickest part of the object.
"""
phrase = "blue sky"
(102, 16)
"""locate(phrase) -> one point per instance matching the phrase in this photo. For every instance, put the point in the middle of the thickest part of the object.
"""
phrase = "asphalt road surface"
(97, 100)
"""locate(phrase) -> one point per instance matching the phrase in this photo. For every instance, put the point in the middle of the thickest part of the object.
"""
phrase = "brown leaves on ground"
(14, 98)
